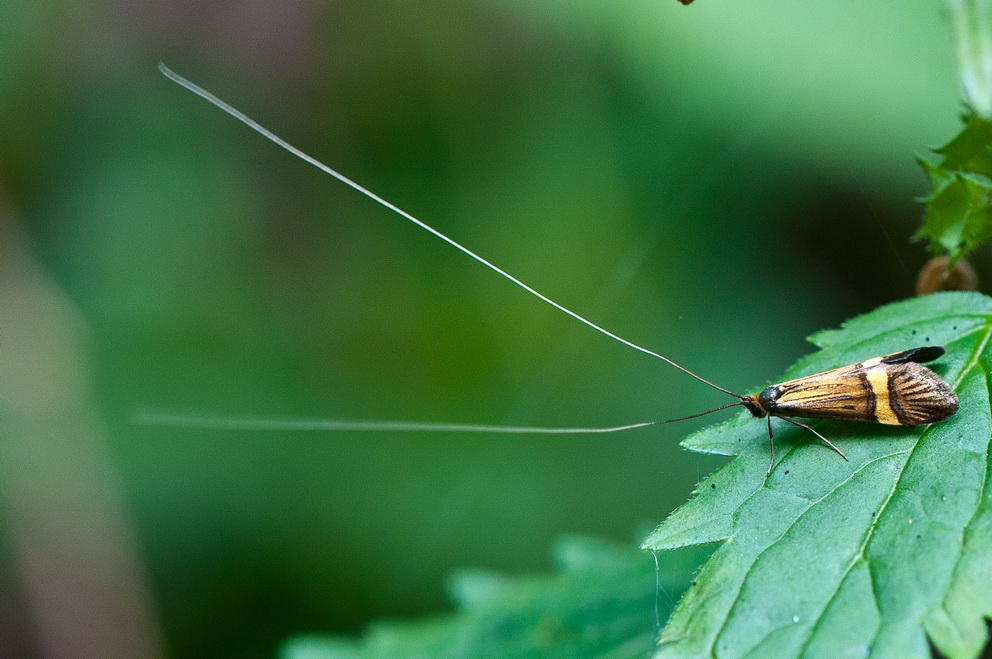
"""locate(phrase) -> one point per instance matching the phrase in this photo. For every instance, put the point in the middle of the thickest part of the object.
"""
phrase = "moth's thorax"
(768, 398)
(755, 404)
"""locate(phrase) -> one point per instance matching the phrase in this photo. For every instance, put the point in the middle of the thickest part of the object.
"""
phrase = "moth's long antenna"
(178, 420)
(266, 423)
(693, 416)
(251, 123)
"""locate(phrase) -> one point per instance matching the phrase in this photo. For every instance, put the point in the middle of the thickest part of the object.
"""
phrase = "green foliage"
(973, 43)
(831, 558)
(959, 209)
(603, 602)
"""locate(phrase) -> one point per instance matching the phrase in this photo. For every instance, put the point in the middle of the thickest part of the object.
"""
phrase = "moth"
(893, 389)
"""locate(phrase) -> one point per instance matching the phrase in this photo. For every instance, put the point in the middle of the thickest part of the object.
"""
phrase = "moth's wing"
(918, 396)
(840, 393)
(918, 355)
(877, 390)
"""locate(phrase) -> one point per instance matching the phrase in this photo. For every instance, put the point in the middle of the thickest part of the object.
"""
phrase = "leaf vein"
(779, 539)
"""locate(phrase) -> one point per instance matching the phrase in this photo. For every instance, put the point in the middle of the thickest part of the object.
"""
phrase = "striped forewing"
(904, 393)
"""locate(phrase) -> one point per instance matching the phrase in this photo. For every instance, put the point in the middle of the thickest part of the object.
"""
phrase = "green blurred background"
(714, 182)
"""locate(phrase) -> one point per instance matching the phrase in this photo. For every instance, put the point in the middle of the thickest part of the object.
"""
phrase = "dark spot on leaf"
(914, 332)
(873, 514)
(786, 472)
(692, 583)
(954, 327)
(713, 485)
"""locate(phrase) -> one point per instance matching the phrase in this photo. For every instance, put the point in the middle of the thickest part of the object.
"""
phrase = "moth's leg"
(825, 440)
(771, 444)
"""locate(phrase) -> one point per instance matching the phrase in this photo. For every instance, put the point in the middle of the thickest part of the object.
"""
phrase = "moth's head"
(753, 406)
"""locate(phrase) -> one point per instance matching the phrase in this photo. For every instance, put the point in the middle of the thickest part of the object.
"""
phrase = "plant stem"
(973, 42)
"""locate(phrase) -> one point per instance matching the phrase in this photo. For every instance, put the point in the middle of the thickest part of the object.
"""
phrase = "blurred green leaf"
(959, 209)
(833, 558)
(603, 602)
(973, 43)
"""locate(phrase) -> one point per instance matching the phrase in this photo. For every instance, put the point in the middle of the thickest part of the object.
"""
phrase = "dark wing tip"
(918, 355)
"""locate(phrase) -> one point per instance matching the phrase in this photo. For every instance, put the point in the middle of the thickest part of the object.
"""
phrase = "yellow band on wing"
(879, 381)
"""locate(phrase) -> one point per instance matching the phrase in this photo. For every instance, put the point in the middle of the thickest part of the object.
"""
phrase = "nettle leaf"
(603, 602)
(830, 558)
(959, 208)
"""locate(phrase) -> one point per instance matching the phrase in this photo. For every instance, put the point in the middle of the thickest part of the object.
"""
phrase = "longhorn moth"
(893, 389)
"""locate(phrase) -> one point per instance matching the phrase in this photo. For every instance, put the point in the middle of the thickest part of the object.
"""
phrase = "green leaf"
(959, 208)
(603, 602)
(829, 558)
